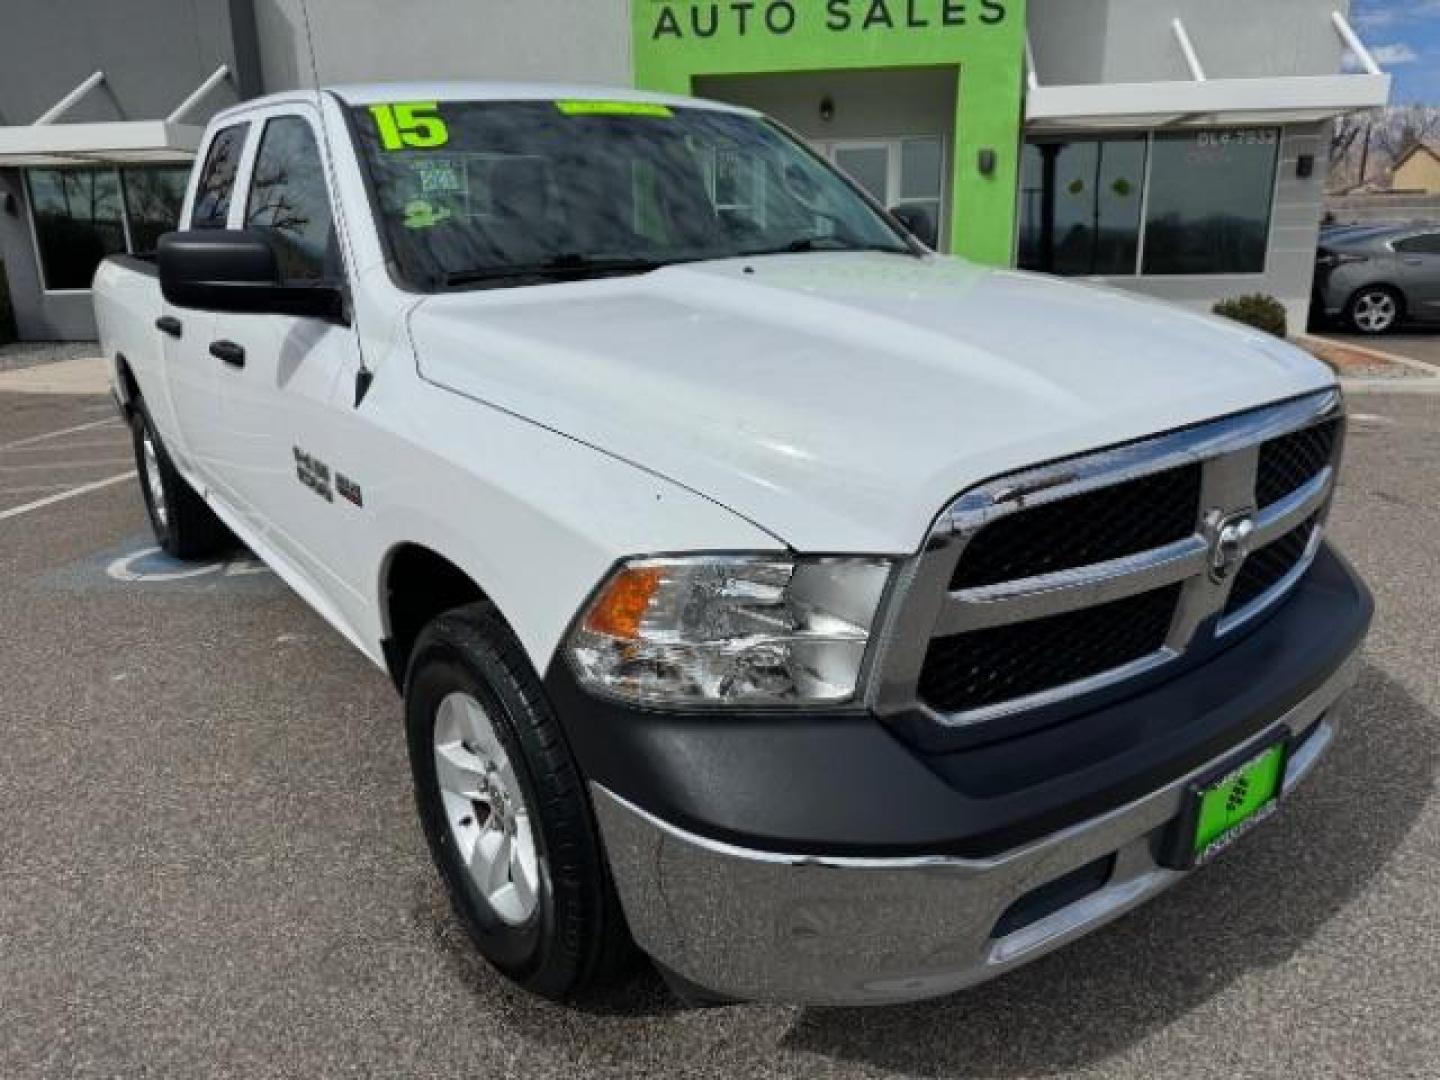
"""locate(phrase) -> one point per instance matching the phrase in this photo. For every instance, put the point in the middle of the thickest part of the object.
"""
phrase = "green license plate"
(1220, 810)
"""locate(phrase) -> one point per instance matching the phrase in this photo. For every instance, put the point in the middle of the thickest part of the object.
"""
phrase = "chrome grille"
(1002, 663)
(1293, 460)
(1108, 523)
(1052, 583)
(1270, 567)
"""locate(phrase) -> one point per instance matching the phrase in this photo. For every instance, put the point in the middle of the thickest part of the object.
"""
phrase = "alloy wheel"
(1375, 312)
(485, 809)
(150, 461)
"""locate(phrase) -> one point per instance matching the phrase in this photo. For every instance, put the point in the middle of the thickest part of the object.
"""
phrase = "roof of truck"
(460, 90)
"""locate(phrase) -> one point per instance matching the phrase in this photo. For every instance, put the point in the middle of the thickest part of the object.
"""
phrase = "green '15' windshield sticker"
(410, 125)
(612, 108)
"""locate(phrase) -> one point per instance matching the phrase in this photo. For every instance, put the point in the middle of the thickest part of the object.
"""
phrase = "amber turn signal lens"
(621, 608)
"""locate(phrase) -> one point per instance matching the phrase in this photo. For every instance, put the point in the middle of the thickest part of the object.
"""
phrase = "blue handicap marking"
(138, 563)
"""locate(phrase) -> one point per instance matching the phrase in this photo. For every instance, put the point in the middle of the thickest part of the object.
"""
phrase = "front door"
(906, 173)
(290, 382)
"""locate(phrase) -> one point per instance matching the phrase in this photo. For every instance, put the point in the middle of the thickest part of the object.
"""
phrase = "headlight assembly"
(761, 630)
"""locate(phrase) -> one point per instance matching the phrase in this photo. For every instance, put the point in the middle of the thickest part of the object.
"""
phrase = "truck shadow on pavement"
(1254, 909)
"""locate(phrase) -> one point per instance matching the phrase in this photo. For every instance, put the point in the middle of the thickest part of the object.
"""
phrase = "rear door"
(1419, 260)
(190, 372)
(289, 382)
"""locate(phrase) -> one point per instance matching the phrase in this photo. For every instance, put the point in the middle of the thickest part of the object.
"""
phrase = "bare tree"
(1403, 127)
(1364, 146)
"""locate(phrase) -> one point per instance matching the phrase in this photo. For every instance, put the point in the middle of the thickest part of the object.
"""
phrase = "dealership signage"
(679, 43)
(698, 19)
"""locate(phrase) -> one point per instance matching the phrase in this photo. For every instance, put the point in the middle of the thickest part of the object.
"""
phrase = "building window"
(1080, 205)
(922, 182)
(152, 204)
(78, 221)
(1205, 199)
(1210, 199)
(83, 215)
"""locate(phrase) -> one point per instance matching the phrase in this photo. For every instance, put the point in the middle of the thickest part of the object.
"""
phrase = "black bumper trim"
(843, 783)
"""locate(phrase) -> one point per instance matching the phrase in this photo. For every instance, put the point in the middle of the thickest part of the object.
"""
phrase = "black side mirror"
(237, 270)
(918, 224)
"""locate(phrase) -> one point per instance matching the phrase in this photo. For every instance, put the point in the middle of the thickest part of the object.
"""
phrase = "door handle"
(168, 324)
(229, 352)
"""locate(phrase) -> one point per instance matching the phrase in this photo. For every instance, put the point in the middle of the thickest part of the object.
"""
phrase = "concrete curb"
(1376, 354)
(88, 375)
(1390, 386)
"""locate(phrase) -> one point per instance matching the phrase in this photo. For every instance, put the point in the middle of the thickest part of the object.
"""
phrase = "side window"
(288, 201)
(1419, 245)
(217, 179)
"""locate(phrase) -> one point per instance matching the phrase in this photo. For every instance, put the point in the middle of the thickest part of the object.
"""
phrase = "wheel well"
(419, 585)
(128, 385)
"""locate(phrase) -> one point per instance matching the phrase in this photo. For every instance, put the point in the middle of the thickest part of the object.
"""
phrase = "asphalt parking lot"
(211, 866)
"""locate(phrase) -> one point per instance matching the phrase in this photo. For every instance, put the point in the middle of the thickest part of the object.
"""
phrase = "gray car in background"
(1374, 277)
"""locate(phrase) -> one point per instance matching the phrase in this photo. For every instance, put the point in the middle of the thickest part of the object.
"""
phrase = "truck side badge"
(314, 474)
(349, 490)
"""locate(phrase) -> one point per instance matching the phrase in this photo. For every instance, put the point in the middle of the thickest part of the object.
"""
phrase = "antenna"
(363, 376)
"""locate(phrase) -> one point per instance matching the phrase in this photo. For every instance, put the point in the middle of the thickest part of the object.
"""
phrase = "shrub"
(1260, 311)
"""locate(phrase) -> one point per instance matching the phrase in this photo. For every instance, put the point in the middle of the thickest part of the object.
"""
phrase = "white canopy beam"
(66, 103)
(199, 94)
(1216, 102)
(1032, 77)
(1354, 44)
(1192, 59)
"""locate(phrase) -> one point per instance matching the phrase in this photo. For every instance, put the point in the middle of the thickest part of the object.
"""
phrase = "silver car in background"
(1374, 277)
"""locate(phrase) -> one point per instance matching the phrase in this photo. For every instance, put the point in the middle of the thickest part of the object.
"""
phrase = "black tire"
(185, 527)
(1364, 314)
(576, 936)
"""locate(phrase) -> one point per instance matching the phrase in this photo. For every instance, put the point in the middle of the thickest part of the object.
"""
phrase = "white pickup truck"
(836, 621)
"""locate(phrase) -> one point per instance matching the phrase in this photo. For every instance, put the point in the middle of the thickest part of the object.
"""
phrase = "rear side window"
(289, 203)
(1428, 244)
(217, 179)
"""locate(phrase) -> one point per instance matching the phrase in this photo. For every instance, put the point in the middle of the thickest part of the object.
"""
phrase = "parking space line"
(72, 493)
(66, 447)
(64, 465)
(57, 434)
(31, 489)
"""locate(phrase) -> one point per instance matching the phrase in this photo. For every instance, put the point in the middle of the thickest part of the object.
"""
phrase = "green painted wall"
(678, 40)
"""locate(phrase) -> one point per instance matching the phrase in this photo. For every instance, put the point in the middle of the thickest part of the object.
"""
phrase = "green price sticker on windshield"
(613, 108)
(410, 125)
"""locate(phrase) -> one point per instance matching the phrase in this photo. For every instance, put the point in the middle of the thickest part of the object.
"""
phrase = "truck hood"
(841, 400)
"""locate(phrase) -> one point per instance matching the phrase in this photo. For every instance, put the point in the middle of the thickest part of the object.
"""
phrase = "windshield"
(504, 192)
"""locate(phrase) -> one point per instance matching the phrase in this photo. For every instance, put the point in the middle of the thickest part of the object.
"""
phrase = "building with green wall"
(971, 50)
(1172, 147)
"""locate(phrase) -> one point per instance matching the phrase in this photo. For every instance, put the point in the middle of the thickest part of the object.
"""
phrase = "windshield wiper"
(826, 243)
(571, 266)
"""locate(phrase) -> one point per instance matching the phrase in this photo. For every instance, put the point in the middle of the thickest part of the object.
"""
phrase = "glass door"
(907, 173)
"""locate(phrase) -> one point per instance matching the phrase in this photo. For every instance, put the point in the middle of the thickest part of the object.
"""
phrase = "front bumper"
(756, 925)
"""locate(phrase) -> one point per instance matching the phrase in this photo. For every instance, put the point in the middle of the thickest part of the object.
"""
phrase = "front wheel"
(505, 810)
(1374, 310)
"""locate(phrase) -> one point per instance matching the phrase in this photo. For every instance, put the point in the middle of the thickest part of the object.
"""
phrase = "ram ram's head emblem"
(1231, 544)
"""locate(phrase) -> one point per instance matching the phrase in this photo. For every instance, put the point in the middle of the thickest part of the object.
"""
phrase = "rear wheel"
(184, 526)
(505, 809)
(1374, 310)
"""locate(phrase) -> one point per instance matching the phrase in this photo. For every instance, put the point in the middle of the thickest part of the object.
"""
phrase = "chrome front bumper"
(761, 926)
